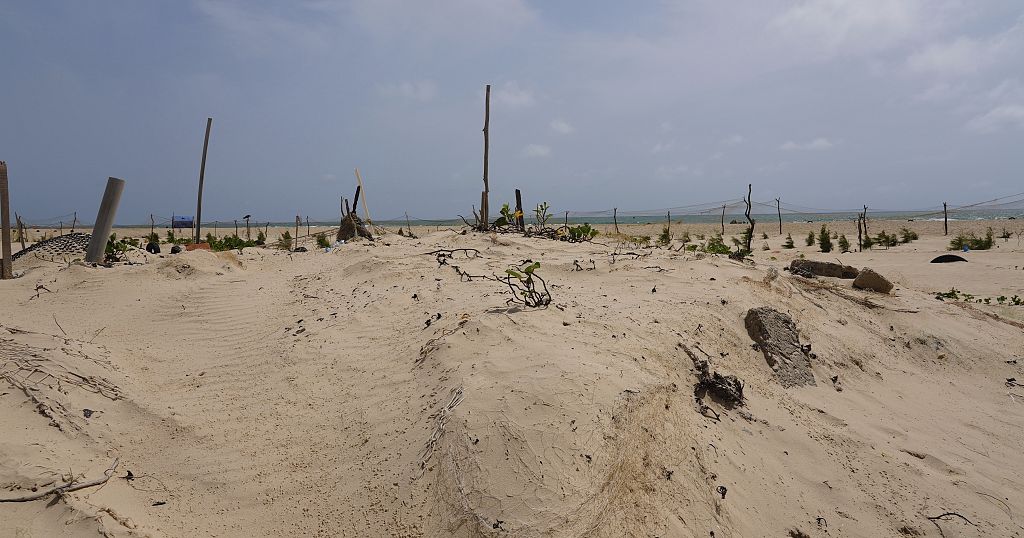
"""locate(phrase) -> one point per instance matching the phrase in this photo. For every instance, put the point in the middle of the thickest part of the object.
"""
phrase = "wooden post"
(298, 221)
(566, 220)
(366, 212)
(236, 227)
(73, 222)
(202, 176)
(723, 219)
(364, 209)
(62, 228)
(21, 230)
(669, 225)
(407, 225)
(778, 207)
(97, 249)
(248, 236)
(750, 232)
(615, 218)
(945, 219)
(152, 224)
(865, 217)
(520, 220)
(484, 206)
(860, 239)
(5, 224)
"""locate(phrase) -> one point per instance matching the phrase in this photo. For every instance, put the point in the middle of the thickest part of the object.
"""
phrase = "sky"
(897, 104)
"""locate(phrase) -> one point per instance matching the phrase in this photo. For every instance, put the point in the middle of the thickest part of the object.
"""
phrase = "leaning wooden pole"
(615, 219)
(748, 200)
(5, 223)
(485, 199)
(778, 207)
(723, 219)
(520, 221)
(97, 250)
(202, 176)
(366, 212)
(945, 219)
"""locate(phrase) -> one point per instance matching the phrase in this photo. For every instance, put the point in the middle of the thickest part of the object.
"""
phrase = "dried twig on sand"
(943, 516)
(67, 487)
(441, 419)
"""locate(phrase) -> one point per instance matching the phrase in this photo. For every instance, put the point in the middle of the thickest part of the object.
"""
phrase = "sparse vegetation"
(541, 215)
(285, 241)
(824, 240)
(715, 245)
(810, 239)
(522, 281)
(844, 244)
(582, 232)
(665, 238)
(789, 242)
(972, 241)
(907, 235)
(322, 241)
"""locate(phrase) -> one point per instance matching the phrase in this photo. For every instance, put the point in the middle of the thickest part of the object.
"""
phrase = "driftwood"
(67, 487)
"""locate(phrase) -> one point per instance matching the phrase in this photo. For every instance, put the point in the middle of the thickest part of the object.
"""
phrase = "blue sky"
(896, 104)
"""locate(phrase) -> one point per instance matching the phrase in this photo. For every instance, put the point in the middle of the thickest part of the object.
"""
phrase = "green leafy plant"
(810, 239)
(522, 281)
(665, 237)
(844, 244)
(285, 242)
(580, 233)
(541, 215)
(685, 237)
(907, 235)
(887, 240)
(953, 294)
(972, 241)
(261, 238)
(322, 241)
(789, 242)
(824, 240)
(715, 245)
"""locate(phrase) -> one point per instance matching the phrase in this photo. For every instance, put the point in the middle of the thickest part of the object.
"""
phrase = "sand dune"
(370, 391)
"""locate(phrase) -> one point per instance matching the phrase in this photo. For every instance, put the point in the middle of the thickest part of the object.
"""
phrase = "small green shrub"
(789, 242)
(666, 237)
(583, 232)
(810, 239)
(715, 245)
(285, 242)
(972, 241)
(322, 241)
(907, 235)
(824, 240)
(844, 244)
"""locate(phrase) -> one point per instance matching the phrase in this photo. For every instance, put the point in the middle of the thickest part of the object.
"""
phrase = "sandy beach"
(371, 391)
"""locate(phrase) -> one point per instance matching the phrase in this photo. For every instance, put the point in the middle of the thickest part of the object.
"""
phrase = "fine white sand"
(264, 393)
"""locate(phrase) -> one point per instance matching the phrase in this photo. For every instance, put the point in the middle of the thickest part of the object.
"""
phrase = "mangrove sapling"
(844, 244)
(522, 281)
(824, 240)
(789, 242)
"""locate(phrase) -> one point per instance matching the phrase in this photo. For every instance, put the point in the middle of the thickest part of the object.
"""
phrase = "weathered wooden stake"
(945, 219)
(5, 224)
(484, 206)
(615, 218)
(723, 219)
(298, 221)
(202, 176)
(152, 224)
(21, 230)
(567, 220)
(669, 225)
(519, 210)
(407, 225)
(307, 217)
(366, 212)
(778, 207)
(748, 200)
(74, 222)
(62, 228)
(248, 236)
(97, 250)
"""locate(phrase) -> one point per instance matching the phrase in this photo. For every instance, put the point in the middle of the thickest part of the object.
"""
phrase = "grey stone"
(818, 268)
(870, 280)
(776, 336)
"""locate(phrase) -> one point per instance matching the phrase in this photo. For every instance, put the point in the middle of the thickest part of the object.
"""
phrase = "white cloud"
(716, 156)
(672, 172)
(733, 140)
(421, 91)
(457, 21)
(328, 178)
(968, 55)
(998, 118)
(662, 147)
(536, 151)
(259, 30)
(818, 144)
(512, 95)
(857, 26)
(562, 127)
